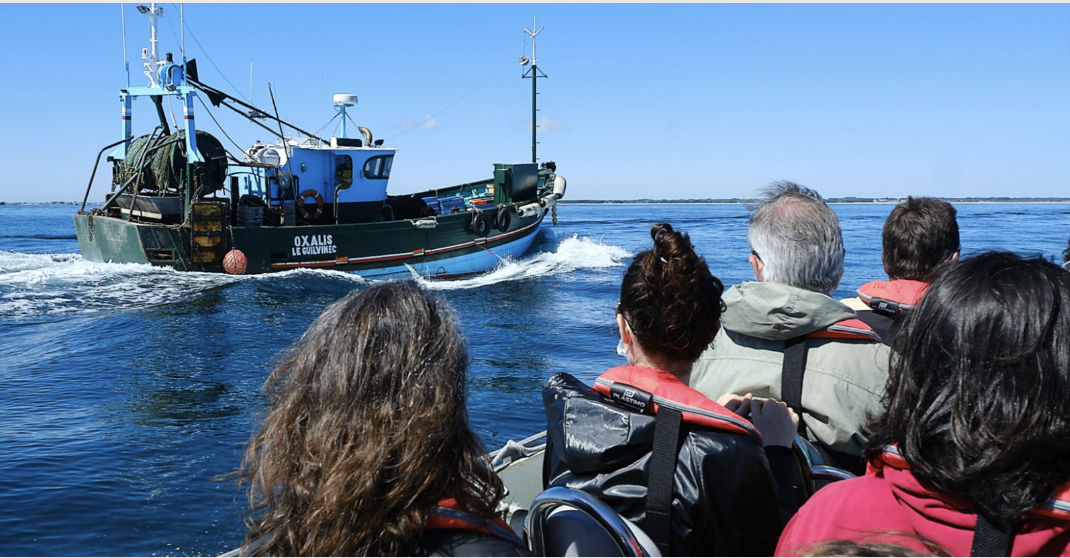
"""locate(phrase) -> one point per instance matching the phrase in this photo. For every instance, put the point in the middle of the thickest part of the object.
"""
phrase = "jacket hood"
(777, 311)
(609, 438)
(930, 510)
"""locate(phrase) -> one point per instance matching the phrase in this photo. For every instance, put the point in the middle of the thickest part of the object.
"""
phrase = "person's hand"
(738, 404)
(775, 420)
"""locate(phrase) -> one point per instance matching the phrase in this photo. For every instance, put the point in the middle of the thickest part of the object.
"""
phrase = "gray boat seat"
(815, 473)
(567, 522)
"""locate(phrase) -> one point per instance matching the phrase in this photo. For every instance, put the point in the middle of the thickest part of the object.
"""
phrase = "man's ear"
(757, 265)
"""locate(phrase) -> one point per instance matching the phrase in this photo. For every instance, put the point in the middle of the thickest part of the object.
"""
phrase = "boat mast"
(533, 73)
(152, 59)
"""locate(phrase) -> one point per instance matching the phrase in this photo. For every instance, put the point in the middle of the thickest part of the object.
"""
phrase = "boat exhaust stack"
(367, 135)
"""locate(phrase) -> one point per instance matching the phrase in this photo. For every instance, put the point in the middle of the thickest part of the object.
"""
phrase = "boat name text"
(311, 245)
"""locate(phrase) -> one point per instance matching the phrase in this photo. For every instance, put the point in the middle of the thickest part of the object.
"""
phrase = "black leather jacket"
(725, 495)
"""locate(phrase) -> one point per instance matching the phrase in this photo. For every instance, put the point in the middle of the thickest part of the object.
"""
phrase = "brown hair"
(918, 237)
(862, 548)
(367, 429)
(670, 299)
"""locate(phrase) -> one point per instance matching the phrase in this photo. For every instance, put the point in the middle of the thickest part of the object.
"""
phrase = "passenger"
(920, 237)
(366, 448)
(345, 173)
(785, 337)
(972, 451)
(717, 494)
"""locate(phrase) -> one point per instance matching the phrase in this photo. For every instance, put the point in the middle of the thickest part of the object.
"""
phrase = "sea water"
(128, 390)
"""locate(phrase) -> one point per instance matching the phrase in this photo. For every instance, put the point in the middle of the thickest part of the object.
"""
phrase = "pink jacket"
(889, 500)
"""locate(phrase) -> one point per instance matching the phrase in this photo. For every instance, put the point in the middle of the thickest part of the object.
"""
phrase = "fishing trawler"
(179, 199)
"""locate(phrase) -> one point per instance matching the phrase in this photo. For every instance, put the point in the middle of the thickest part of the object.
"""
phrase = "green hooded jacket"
(844, 379)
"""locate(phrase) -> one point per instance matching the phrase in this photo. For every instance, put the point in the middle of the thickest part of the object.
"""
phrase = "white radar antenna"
(341, 102)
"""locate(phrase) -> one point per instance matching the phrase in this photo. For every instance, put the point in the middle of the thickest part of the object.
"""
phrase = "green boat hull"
(450, 248)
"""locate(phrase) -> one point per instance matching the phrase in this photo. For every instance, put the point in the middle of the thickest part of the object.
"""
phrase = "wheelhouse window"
(378, 167)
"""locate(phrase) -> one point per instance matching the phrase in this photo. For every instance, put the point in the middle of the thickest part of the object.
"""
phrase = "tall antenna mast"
(182, 32)
(152, 58)
(533, 73)
(126, 63)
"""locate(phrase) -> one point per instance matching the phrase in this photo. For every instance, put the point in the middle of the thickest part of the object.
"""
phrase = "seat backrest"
(568, 522)
(812, 466)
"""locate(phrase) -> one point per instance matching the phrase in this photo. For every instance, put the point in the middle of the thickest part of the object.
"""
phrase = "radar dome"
(345, 100)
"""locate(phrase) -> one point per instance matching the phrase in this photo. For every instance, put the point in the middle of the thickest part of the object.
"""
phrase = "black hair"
(978, 393)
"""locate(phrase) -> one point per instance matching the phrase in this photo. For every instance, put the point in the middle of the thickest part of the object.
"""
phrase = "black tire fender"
(480, 224)
(504, 219)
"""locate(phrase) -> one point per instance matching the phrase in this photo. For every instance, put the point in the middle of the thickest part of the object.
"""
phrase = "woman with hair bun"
(711, 490)
(366, 448)
(973, 448)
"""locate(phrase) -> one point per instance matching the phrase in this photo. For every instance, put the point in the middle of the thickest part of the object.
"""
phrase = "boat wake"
(38, 285)
(48, 284)
(571, 254)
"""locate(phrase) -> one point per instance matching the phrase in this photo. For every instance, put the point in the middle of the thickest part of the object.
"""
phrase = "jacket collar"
(777, 311)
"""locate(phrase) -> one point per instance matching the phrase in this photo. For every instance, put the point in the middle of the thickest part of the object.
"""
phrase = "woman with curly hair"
(690, 472)
(973, 449)
(366, 448)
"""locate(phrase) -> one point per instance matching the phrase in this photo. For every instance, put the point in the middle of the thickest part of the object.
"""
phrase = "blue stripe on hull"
(467, 264)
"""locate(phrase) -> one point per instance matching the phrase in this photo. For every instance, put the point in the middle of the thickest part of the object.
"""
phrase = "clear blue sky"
(678, 101)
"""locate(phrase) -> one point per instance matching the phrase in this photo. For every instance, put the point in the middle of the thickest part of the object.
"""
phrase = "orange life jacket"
(850, 328)
(646, 389)
(447, 514)
(890, 298)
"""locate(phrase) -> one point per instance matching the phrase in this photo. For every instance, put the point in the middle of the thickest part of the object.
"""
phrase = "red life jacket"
(892, 297)
(850, 328)
(1057, 507)
(646, 389)
(447, 514)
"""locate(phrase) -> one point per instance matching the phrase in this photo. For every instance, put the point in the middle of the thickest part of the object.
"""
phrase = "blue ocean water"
(129, 390)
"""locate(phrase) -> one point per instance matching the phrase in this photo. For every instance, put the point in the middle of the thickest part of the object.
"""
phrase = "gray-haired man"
(784, 337)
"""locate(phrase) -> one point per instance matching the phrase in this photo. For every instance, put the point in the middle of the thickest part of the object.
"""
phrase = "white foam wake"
(34, 285)
(571, 254)
(40, 284)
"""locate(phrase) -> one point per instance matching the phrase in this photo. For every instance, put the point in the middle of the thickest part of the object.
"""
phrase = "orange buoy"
(234, 262)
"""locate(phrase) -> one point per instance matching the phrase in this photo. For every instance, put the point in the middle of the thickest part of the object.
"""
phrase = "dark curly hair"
(978, 393)
(670, 299)
(366, 431)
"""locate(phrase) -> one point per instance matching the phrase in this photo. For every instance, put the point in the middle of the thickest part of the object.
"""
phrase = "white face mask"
(622, 349)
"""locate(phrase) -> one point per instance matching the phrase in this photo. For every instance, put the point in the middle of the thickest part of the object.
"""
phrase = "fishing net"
(162, 170)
